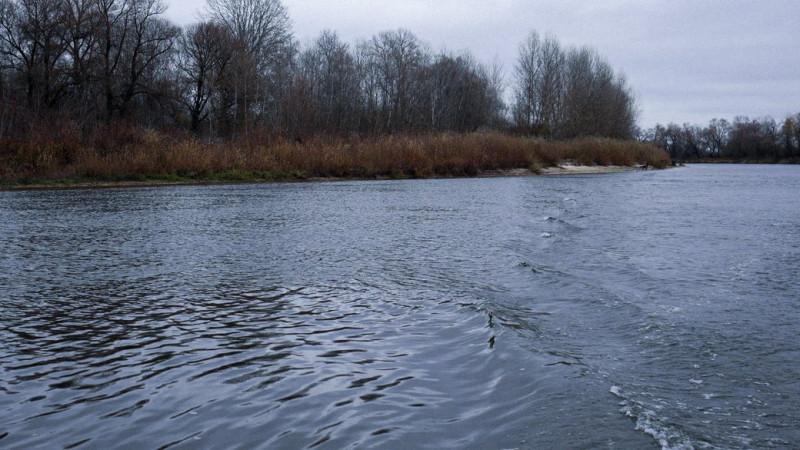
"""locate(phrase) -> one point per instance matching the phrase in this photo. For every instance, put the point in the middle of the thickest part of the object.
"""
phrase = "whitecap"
(649, 423)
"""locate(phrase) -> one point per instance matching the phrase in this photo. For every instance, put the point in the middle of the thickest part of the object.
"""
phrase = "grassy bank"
(150, 156)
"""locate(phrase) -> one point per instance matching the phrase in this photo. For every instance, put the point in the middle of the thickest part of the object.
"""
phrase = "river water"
(633, 310)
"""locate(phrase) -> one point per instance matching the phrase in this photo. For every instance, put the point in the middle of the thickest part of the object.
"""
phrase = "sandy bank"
(576, 169)
(567, 168)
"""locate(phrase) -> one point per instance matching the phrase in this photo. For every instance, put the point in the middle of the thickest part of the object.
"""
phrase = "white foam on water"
(649, 423)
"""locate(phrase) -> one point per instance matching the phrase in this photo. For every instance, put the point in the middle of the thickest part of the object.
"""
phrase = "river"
(655, 309)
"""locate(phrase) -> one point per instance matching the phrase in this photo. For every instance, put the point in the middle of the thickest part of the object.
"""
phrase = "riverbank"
(567, 168)
(155, 160)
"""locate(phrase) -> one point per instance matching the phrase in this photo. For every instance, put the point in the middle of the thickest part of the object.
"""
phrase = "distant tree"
(87, 69)
(527, 74)
(112, 33)
(6, 102)
(790, 134)
(396, 58)
(329, 70)
(34, 41)
(146, 55)
(262, 64)
(497, 88)
(671, 139)
(540, 88)
(770, 138)
(583, 88)
(205, 53)
(715, 136)
(82, 35)
(570, 94)
(598, 102)
(369, 85)
(743, 139)
(787, 136)
(796, 140)
(459, 93)
(300, 107)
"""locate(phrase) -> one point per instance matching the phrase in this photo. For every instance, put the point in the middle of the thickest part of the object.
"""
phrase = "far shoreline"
(567, 168)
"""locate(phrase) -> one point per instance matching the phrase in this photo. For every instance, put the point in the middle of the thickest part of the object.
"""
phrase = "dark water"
(637, 310)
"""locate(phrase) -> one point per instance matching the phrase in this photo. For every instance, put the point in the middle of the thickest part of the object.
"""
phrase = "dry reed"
(142, 154)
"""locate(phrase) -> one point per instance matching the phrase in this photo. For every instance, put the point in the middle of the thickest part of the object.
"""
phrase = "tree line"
(71, 67)
(566, 93)
(743, 138)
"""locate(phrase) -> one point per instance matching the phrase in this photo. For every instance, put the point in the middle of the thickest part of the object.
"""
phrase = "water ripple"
(409, 314)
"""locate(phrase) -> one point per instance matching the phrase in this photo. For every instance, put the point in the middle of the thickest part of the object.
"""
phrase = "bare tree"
(206, 51)
(497, 86)
(82, 35)
(539, 76)
(6, 98)
(745, 140)
(693, 141)
(397, 57)
(715, 136)
(742, 139)
(263, 25)
(569, 94)
(6, 66)
(264, 52)
(113, 29)
(34, 42)
(369, 87)
(460, 94)
(790, 133)
(551, 82)
(674, 142)
(527, 74)
(331, 69)
(596, 101)
(796, 133)
(151, 39)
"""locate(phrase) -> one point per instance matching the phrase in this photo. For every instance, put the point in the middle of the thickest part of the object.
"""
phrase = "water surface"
(634, 310)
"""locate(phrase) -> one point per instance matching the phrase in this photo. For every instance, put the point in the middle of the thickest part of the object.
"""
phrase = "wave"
(649, 422)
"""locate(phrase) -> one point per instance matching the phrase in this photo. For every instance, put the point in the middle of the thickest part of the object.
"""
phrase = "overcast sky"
(686, 60)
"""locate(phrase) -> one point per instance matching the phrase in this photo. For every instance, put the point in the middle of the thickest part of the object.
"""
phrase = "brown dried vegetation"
(145, 154)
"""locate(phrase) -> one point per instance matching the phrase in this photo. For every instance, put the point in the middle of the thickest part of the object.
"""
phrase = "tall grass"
(142, 154)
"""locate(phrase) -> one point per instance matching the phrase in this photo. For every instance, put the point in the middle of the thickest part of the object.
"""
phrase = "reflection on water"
(280, 315)
(496, 313)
